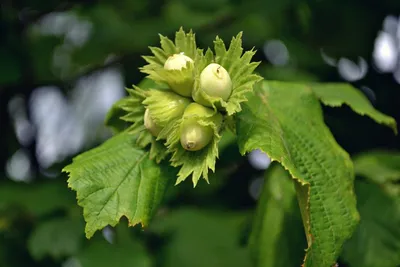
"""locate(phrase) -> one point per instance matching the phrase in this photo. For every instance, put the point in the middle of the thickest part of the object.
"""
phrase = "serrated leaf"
(117, 179)
(277, 237)
(285, 121)
(376, 242)
(378, 166)
(199, 238)
(338, 94)
(57, 238)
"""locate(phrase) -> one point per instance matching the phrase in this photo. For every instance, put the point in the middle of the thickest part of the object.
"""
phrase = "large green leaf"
(56, 238)
(117, 179)
(376, 241)
(337, 94)
(378, 166)
(285, 121)
(277, 238)
(199, 238)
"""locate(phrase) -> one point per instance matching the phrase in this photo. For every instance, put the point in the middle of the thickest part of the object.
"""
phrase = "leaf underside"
(285, 121)
(338, 94)
(117, 179)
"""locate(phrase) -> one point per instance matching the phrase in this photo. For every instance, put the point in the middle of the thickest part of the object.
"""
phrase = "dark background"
(64, 63)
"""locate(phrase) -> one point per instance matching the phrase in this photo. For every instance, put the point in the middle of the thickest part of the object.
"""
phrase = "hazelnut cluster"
(214, 81)
(192, 99)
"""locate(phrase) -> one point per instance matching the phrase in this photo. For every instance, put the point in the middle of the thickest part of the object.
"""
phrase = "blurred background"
(64, 63)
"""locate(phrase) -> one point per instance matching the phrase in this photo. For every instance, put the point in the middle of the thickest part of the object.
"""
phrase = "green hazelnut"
(177, 62)
(215, 82)
(183, 84)
(150, 125)
(193, 135)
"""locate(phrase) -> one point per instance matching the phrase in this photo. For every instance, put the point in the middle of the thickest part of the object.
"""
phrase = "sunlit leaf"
(117, 179)
(285, 121)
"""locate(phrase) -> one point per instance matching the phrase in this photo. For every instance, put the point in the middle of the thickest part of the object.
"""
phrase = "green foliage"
(44, 43)
(285, 121)
(201, 237)
(376, 242)
(56, 238)
(117, 179)
(240, 69)
(277, 238)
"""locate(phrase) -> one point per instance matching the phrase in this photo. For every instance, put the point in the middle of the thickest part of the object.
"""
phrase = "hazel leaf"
(117, 179)
(285, 121)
